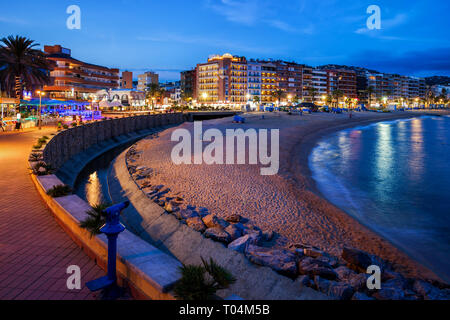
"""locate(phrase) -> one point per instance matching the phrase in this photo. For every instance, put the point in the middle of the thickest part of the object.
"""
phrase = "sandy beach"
(288, 203)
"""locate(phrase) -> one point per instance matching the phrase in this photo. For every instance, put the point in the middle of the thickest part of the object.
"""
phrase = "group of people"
(17, 125)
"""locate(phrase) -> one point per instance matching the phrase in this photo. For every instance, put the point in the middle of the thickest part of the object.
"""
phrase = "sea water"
(393, 177)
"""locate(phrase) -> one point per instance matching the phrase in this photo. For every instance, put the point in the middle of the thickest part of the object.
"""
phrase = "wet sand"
(288, 203)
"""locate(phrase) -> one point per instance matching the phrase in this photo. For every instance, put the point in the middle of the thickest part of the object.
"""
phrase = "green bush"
(59, 191)
(65, 127)
(74, 124)
(35, 157)
(38, 166)
(202, 282)
(96, 219)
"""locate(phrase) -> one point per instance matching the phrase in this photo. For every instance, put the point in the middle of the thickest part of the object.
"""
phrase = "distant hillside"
(431, 81)
(337, 66)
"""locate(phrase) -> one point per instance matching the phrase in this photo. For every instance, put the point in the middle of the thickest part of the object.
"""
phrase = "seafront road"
(34, 250)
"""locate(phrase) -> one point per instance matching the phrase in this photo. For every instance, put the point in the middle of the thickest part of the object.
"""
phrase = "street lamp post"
(40, 93)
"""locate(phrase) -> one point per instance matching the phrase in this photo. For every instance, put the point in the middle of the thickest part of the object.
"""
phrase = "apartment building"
(126, 80)
(254, 81)
(73, 79)
(320, 84)
(223, 79)
(307, 80)
(394, 87)
(146, 79)
(188, 83)
(417, 88)
(290, 79)
(342, 80)
(269, 82)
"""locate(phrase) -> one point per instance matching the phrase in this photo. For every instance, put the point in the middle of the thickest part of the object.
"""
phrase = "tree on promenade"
(337, 94)
(278, 95)
(152, 92)
(313, 94)
(22, 65)
(370, 92)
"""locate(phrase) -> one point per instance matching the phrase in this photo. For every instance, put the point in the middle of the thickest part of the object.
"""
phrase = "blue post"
(112, 229)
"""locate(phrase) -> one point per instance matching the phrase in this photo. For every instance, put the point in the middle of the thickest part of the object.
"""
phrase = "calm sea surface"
(394, 177)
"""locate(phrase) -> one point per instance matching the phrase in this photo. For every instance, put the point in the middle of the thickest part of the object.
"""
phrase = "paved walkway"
(34, 250)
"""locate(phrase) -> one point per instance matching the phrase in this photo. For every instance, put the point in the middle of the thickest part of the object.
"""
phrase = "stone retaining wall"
(71, 142)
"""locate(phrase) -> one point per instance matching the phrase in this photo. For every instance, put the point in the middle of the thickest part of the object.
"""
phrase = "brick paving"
(34, 250)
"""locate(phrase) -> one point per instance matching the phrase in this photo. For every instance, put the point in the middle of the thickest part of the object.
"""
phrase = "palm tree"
(21, 65)
(152, 92)
(186, 96)
(370, 92)
(256, 99)
(429, 96)
(278, 95)
(313, 93)
(337, 94)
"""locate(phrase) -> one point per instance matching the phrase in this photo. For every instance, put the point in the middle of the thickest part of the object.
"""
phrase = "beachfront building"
(417, 88)
(386, 88)
(254, 81)
(440, 90)
(342, 80)
(223, 80)
(320, 84)
(120, 99)
(188, 84)
(146, 79)
(290, 80)
(307, 83)
(269, 82)
(236, 81)
(73, 79)
(126, 80)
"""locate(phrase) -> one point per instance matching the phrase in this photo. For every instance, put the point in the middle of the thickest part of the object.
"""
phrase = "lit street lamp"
(205, 96)
(40, 93)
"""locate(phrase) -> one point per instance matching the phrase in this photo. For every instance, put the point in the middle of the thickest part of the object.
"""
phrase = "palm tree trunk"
(18, 88)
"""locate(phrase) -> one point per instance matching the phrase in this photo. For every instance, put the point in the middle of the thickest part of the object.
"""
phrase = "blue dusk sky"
(169, 36)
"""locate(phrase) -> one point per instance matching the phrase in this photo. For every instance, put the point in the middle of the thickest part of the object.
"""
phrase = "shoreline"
(288, 203)
(303, 179)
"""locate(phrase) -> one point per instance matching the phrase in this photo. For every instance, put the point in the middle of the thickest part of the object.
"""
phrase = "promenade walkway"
(34, 250)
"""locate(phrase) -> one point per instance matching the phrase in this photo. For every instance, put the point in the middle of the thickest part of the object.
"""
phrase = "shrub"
(95, 220)
(42, 164)
(38, 146)
(65, 127)
(74, 124)
(59, 191)
(42, 141)
(35, 157)
(202, 282)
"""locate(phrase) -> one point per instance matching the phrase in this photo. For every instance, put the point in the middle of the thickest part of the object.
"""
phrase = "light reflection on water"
(94, 189)
(395, 178)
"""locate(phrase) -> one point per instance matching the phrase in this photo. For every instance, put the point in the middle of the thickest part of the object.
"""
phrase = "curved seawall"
(70, 150)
